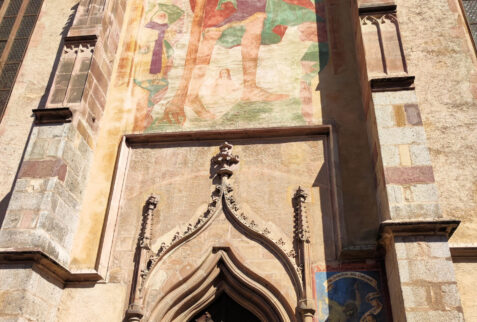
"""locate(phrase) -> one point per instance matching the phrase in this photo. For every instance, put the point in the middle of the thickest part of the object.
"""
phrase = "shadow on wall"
(346, 290)
(63, 34)
(341, 106)
(69, 22)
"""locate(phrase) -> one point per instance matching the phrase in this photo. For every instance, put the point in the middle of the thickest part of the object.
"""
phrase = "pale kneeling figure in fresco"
(229, 23)
(248, 23)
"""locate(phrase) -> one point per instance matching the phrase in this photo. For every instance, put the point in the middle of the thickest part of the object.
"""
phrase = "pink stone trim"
(44, 169)
(409, 175)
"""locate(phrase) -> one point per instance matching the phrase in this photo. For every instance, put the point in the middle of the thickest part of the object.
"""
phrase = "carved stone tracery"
(301, 228)
(223, 162)
(302, 242)
(295, 254)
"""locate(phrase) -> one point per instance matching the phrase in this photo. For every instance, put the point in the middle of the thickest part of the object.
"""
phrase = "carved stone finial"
(302, 231)
(146, 230)
(300, 194)
(152, 202)
(222, 162)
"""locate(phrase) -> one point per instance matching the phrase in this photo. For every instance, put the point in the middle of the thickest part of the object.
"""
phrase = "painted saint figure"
(156, 61)
(159, 62)
(248, 23)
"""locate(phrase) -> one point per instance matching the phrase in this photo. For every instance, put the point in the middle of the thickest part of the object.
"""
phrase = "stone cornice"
(463, 252)
(377, 9)
(418, 227)
(392, 83)
(44, 264)
(52, 115)
(270, 132)
(81, 38)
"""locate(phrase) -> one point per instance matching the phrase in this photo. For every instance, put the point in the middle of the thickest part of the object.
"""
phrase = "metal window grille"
(17, 21)
(470, 9)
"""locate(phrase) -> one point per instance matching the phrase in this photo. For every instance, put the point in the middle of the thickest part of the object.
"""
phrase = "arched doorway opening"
(224, 309)
(221, 281)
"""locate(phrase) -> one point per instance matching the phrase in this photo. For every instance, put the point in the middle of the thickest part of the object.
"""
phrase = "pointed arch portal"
(221, 276)
(224, 308)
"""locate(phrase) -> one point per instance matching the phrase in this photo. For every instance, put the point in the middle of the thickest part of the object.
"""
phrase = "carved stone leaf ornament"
(222, 162)
(301, 228)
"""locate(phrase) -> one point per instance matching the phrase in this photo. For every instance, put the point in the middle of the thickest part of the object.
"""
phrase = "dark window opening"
(470, 9)
(18, 19)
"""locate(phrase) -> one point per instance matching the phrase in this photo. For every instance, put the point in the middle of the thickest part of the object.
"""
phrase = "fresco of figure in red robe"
(244, 28)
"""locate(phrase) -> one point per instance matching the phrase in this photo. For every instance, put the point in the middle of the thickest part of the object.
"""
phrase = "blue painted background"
(350, 296)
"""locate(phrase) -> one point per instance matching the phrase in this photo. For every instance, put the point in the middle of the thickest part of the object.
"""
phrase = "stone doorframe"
(221, 272)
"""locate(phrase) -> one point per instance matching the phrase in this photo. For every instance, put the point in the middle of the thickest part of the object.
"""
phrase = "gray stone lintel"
(418, 227)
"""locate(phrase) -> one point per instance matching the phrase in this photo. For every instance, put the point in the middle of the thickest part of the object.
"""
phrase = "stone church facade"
(238, 160)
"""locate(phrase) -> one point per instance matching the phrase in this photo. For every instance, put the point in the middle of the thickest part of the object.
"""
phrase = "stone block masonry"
(25, 295)
(406, 166)
(422, 283)
(43, 212)
(419, 267)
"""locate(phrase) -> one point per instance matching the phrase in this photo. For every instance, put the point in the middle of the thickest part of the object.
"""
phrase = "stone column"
(414, 235)
(420, 272)
(41, 219)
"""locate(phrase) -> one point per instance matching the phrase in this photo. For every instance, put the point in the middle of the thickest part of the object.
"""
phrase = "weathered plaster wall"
(441, 57)
(269, 172)
(466, 281)
(27, 295)
(329, 105)
(30, 87)
(102, 302)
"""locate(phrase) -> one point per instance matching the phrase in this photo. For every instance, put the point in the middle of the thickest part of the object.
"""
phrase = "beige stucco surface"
(466, 281)
(29, 89)
(343, 111)
(269, 172)
(440, 55)
(102, 302)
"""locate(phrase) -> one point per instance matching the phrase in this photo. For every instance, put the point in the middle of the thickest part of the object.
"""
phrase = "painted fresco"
(350, 296)
(228, 63)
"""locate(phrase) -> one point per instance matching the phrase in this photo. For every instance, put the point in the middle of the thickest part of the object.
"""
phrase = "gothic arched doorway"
(225, 309)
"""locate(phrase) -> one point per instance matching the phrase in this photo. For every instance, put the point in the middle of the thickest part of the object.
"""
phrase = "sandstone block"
(424, 192)
(384, 115)
(73, 185)
(413, 115)
(415, 296)
(415, 211)
(404, 155)
(420, 155)
(390, 155)
(25, 200)
(43, 169)
(54, 227)
(409, 175)
(395, 195)
(450, 295)
(402, 135)
(72, 158)
(52, 131)
(431, 270)
(434, 316)
(397, 97)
